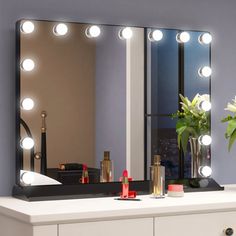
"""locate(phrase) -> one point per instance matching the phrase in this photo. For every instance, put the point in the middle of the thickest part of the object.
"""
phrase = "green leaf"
(226, 119)
(231, 127)
(195, 99)
(184, 140)
(232, 140)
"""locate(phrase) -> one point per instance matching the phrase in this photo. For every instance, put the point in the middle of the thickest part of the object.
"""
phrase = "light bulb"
(205, 139)
(27, 65)
(27, 104)
(60, 29)
(205, 105)
(27, 27)
(183, 37)
(205, 71)
(27, 143)
(205, 38)
(155, 35)
(205, 171)
(27, 178)
(126, 33)
(93, 31)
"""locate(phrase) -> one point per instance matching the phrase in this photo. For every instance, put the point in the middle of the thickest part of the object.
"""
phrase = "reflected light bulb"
(205, 139)
(205, 38)
(205, 171)
(27, 27)
(205, 71)
(27, 178)
(93, 31)
(205, 105)
(27, 104)
(126, 33)
(155, 35)
(27, 143)
(27, 65)
(60, 29)
(183, 37)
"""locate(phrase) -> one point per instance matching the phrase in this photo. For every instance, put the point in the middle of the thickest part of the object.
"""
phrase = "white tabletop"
(93, 209)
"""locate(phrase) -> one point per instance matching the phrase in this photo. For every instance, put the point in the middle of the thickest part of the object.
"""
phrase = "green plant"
(231, 127)
(192, 120)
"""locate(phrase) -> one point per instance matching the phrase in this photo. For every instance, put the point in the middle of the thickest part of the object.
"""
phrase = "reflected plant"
(192, 120)
(231, 120)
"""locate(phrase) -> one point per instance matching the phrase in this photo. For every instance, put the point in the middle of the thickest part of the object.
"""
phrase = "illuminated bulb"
(205, 71)
(60, 29)
(205, 105)
(27, 178)
(27, 65)
(27, 27)
(93, 31)
(126, 33)
(205, 171)
(155, 35)
(27, 104)
(27, 143)
(205, 38)
(205, 139)
(183, 37)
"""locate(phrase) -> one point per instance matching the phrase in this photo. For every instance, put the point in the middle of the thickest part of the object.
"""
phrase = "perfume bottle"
(106, 168)
(157, 178)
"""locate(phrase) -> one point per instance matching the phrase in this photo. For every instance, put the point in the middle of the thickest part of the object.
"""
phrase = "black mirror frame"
(46, 192)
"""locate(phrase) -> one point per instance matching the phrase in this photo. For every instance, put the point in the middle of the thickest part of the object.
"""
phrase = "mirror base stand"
(59, 192)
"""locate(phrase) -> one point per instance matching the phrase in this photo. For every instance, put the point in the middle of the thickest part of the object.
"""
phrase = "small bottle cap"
(106, 155)
(156, 159)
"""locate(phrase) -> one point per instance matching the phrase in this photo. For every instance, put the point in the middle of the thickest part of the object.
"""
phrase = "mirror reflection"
(97, 99)
(78, 80)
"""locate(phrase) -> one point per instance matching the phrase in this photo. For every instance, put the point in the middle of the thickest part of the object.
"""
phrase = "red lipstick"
(85, 176)
(125, 185)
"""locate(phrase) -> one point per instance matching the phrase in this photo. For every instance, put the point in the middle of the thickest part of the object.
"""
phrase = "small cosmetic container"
(175, 190)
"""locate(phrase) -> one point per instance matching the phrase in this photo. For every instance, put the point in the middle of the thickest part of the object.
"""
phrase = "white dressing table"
(196, 214)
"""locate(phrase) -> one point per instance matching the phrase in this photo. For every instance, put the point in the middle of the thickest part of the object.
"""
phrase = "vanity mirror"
(93, 100)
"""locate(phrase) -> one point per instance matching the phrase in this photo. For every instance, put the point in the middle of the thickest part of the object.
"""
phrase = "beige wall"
(62, 84)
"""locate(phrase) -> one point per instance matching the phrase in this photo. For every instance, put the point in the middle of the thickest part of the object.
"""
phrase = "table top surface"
(94, 209)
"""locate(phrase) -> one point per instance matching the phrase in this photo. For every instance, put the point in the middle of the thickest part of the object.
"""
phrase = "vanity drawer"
(210, 224)
(137, 227)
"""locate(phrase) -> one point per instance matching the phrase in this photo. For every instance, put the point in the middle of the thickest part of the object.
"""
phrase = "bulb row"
(61, 29)
(28, 65)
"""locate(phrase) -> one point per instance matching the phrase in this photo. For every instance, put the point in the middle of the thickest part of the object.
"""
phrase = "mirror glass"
(97, 99)
(173, 68)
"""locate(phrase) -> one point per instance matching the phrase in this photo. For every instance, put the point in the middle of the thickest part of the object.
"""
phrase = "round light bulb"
(27, 65)
(126, 33)
(27, 178)
(27, 104)
(205, 105)
(205, 171)
(60, 29)
(205, 38)
(93, 31)
(183, 37)
(27, 27)
(27, 143)
(205, 71)
(155, 35)
(205, 139)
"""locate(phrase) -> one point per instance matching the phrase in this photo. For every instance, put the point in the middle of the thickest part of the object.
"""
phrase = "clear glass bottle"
(157, 178)
(106, 168)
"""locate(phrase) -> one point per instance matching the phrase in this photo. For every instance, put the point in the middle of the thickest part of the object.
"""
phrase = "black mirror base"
(59, 192)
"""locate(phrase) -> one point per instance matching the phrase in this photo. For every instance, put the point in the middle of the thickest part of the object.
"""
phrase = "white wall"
(216, 16)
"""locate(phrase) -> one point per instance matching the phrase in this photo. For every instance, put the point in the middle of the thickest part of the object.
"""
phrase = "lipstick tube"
(125, 185)
(85, 176)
